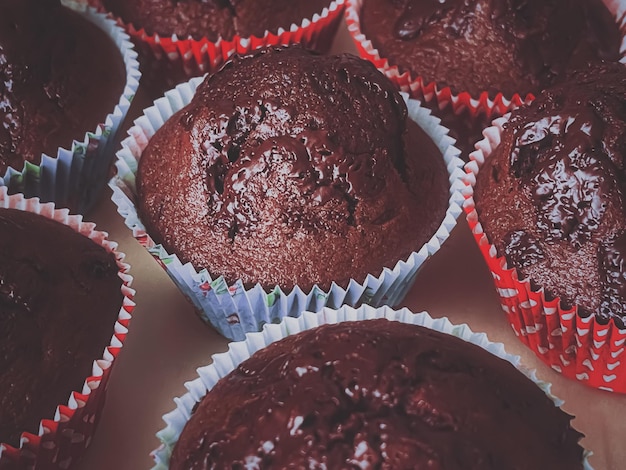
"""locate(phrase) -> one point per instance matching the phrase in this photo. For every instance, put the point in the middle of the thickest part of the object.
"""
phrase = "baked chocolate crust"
(508, 46)
(288, 169)
(376, 394)
(214, 18)
(59, 299)
(552, 196)
(60, 76)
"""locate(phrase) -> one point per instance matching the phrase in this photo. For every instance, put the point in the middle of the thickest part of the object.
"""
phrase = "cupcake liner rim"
(58, 178)
(418, 87)
(578, 347)
(223, 363)
(232, 309)
(33, 446)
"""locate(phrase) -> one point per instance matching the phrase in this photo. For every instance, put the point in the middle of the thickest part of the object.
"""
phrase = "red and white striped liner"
(580, 348)
(62, 439)
(418, 88)
(197, 57)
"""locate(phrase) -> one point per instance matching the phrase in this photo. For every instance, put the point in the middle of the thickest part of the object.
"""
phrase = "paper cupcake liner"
(580, 348)
(419, 88)
(76, 176)
(234, 310)
(180, 59)
(63, 438)
(224, 363)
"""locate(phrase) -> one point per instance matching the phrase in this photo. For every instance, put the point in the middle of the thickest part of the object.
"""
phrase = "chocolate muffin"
(552, 196)
(376, 394)
(508, 46)
(60, 295)
(60, 76)
(289, 168)
(213, 19)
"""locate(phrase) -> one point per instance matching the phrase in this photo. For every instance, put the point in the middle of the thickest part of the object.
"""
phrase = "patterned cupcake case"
(222, 364)
(578, 347)
(76, 176)
(63, 438)
(183, 58)
(418, 88)
(234, 310)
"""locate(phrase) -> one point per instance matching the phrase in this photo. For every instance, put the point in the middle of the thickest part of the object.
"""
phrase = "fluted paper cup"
(442, 96)
(234, 310)
(76, 175)
(172, 60)
(64, 435)
(238, 352)
(579, 347)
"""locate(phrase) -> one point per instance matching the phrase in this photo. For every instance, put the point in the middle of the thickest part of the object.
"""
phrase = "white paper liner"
(76, 176)
(234, 310)
(62, 438)
(223, 363)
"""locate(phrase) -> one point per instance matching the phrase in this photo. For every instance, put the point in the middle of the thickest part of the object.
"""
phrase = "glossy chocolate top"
(563, 159)
(376, 394)
(59, 299)
(491, 45)
(284, 157)
(212, 19)
(60, 76)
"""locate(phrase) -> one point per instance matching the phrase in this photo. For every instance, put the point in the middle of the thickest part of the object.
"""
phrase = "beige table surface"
(167, 342)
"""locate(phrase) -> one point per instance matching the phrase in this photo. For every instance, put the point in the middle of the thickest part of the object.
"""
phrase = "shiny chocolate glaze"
(376, 394)
(59, 299)
(508, 46)
(559, 178)
(60, 76)
(285, 166)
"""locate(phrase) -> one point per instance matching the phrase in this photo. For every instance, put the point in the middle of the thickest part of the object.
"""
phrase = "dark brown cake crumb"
(289, 168)
(508, 46)
(376, 394)
(214, 18)
(552, 196)
(59, 299)
(60, 76)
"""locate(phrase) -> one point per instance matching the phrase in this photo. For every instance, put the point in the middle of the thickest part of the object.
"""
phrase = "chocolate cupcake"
(314, 188)
(351, 388)
(486, 56)
(551, 201)
(187, 38)
(64, 309)
(65, 83)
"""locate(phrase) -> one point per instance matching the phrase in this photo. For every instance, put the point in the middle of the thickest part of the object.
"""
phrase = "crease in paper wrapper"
(190, 57)
(76, 176)
(238, 352)
(417, 87)
(579, 348)
(63, 438)
(234, 310)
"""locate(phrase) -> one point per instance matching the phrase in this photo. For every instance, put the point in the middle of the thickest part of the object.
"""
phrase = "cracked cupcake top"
(508, 46)
(376, 394)
(552, 198)
(286, 166)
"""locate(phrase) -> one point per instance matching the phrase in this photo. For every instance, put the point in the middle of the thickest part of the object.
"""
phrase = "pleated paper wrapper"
(234, 310)
(580, 348)
(76, 175)
(238, 352)
(64, 435)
